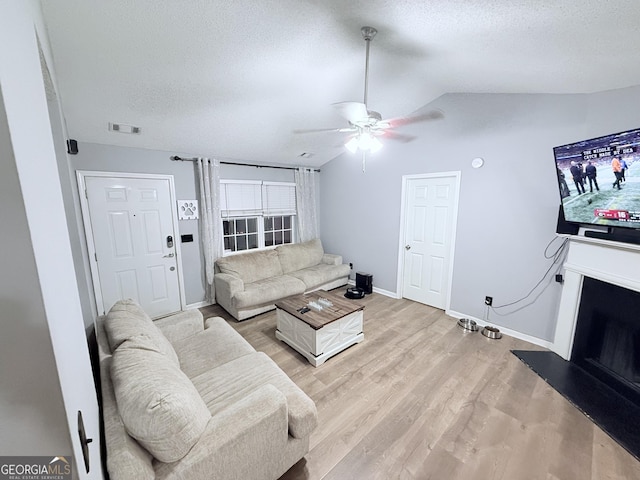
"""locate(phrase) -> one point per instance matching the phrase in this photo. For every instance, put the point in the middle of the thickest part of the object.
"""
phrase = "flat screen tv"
(599, 181)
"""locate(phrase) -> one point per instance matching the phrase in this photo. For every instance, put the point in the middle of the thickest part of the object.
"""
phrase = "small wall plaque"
(188, 210)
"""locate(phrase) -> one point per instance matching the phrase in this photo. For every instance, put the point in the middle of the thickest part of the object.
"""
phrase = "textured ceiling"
(233, 79)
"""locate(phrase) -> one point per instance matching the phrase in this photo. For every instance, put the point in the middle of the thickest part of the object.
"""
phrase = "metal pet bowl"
(468, 325)
(491, 332)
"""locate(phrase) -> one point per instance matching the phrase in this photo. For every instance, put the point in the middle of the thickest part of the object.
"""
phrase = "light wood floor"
(422, 399)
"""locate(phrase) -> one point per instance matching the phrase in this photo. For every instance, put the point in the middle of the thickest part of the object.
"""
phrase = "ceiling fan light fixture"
(367, 142)
(375, 145)
(364, 142)
(352, 144)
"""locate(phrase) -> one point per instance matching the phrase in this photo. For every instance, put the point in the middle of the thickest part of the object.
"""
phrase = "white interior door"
(133, 231)
(429, 220)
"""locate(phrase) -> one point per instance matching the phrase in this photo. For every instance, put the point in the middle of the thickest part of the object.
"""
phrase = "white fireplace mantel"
(612, 262)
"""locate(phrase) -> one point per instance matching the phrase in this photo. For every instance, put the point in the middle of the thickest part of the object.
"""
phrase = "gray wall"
(508, 208)
(97, 157)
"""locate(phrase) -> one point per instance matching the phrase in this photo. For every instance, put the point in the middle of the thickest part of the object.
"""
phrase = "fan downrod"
(367, 33)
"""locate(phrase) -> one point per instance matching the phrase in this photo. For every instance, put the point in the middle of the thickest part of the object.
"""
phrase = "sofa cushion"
(297, 256)
(219, 343)
(126, 319)
(318, 275)
(224, 386)
(252, 266)
(158, 404)
(268, 291)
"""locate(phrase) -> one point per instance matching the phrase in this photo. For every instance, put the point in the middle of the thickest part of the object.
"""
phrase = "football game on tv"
(599, 180)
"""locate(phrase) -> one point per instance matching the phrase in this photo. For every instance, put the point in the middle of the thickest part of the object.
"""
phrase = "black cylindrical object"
(364, 281)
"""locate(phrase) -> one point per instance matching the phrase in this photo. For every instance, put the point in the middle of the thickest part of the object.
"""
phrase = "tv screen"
(599, 180)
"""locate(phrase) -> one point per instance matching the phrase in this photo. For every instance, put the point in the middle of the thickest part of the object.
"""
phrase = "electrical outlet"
(351, 266)
(488, 301)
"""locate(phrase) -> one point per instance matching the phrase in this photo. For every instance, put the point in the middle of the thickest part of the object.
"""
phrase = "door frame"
(402, 234)
(81, 175)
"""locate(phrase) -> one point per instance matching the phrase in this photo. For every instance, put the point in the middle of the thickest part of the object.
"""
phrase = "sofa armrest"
(181, 325)
(331, 259)
(227, 285)
(239, 441)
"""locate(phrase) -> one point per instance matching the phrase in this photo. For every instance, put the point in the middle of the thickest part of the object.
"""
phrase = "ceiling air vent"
(123, 128)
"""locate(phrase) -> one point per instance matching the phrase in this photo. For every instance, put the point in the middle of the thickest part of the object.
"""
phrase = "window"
(257, 214)
(240, 234)
(278, 230)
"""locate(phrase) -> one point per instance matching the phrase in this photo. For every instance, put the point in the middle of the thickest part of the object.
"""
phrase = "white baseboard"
(381, 291)
(506, 331)
(386, 293)
(191, 306)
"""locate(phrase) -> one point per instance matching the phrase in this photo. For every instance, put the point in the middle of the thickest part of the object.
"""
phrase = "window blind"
(243, 198)
(278, 198)
(240, 198)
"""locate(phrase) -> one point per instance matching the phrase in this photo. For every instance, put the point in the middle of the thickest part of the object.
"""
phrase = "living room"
(507, 209)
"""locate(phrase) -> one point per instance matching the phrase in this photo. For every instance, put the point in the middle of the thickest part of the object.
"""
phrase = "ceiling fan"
(365, 126)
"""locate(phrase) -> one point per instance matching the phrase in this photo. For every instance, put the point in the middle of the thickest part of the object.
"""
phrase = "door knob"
(407, 247)
(168, 256)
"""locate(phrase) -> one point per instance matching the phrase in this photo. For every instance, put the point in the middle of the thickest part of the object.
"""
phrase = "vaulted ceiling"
(234, 79)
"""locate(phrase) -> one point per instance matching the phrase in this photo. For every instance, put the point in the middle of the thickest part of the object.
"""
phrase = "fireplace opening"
(607, 338)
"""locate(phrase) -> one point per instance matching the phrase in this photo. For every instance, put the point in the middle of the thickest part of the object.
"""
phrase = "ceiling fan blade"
(321, 130)
(352, 111)
(397, 136)
(401, 121)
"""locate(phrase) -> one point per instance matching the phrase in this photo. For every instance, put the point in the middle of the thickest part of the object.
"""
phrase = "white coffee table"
(319, 335)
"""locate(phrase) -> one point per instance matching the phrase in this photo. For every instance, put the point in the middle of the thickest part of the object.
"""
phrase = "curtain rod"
(193, 159)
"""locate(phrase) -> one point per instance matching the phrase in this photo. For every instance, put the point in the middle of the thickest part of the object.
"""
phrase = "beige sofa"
(187, 399)
(250, 283)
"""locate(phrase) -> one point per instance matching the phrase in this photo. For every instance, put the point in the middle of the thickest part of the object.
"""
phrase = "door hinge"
(95, 255)
(86, 195)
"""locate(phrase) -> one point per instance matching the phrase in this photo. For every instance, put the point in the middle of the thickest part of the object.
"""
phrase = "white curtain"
(308, 228)
(210, 222)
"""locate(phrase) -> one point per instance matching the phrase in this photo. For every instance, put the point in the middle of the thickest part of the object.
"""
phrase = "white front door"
(430, 204)
(133, 232)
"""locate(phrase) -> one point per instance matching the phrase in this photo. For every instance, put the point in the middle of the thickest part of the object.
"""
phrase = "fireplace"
(590, 260)
(607, 338)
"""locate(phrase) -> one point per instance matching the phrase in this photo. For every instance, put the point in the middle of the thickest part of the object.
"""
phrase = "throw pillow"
(159, 406)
